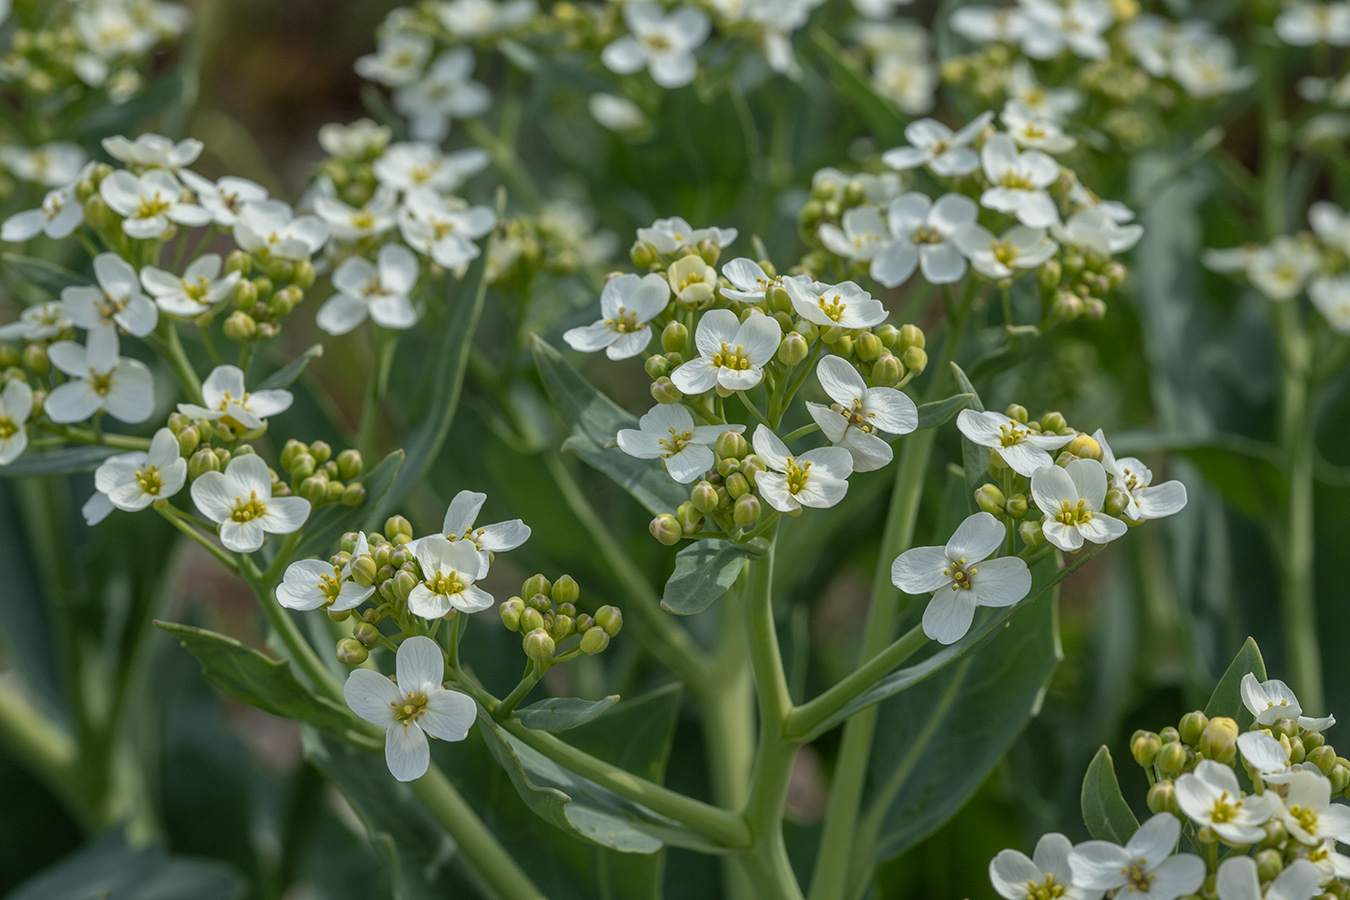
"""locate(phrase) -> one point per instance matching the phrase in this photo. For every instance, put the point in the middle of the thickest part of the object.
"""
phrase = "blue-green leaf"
(939, 412)
(704, 571)
(1105, 813)
(112, 869)
(1227, 697)
(562, 713)
(286, 375)
(66, 461)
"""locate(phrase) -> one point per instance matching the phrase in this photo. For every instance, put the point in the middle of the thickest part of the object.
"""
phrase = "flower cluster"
(552, 630)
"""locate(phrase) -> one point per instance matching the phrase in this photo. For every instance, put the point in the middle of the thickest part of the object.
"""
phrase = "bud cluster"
(552, 630)
(726, 494)
(388, 565)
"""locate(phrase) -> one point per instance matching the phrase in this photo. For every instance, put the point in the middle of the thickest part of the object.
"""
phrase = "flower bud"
(778, 299)
(842, 346)
(643, 255)
(1144, 746)
(1169, 734)
(745, 511)
(35, 360)
(914, 360)
(1219, 739)
(315, 489)
(690, 519)
(1085, 447)
(1050, 274)
(1171, 759)
(404, 582)
(1324, 757)
(1066, 306)
(887, 371)
(238, 261)
(395, 525)
(561, 628)
(530, 619)
(538, 645)
(302, 466)
(888, 334)
(737, 486)
(793, 349)
(304, 275)
(710, 251)
(910, 336)
(321, 452)
(279, 269)
(731, 445)
(674, 337)
(1017, 506)
(1031, 534)
(1276, 834)
(1340, 778)
(990, 499)
(1269, 863)
(1115, 503)
(366, 633)
(363, 570)
(349, 464)
(203, 461)
(354, 494)
(610, 619)
(704, 497)
(1192, 726)
(1297, 752)
(351, 653)
(240, 327)
(869, 346)
(285, 300)
(664, 391)
(511, 612)
(594, 640)
(751, 466)
(188, 439)
(1162, 797)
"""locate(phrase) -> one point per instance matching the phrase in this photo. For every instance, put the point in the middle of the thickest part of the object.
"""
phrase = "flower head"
(1071, 499)
(349, 223)
(271, 230)
(1001, 257)
(37, 323)
(670, 235)
(749, 281)
(153, 151)
(59, 215)
(1237, 879)
(224, 199)
(1021, 448)
(1143, 868)
(16, 405)
(133, 481)
(732, 353)
(827, 305)
(116, 301)
(199, 291)
(443, 230)
(1144, 500)
(318, 584)
(1210, 796)
(376, 290)
(627, 304)
(398, 60)
(499, 537)
(1046, 874)
(445, 93)
(1270, 701)
(859, 413)
(668, 433)
(818, 478)
(661, 43)
(935, 145)
(1308, 813)
(922, 233)
(1018, 182)
(411, 165)
(240, 501)
(151, 203)
(52, 165)
(449, 570)
(226, 400)
(99, 380)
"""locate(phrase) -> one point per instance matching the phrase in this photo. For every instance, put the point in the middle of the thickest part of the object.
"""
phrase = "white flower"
(859, 412)
(1018, 182)
(51, 165)
(1331, 296)
(366, 289)
(831, 184)
(133, 481)
(418, 704)
(1071, 499)
(935, 145)
(732, 353)
(1304, 24)
(827, 305)
(414, 164)
(347, 223)
(447, 92)
(37, 323)
(922, 235)
(398, 60)
(861, 232)
(153, 151)
(99, 380)
(225, 198)
(1328, 862)
(668, 433)
(1029, 129)
(1019, 248)
(616, 113)
(150, 203)
(58, 217)
(499, 537)
(226, 399)
(669, 235)
(1229, 260)
(1238, 880)
(664, 44)
(1210, 795)
(627, 304)
(1097, 230)
(1022, 449)
(1308, 813)
(449, 570)
(1263, 753)
(480, 18)
(1077, 26)
(1046, 874)
(906, 82)
(818, 478)
(961, 577)
(356, 141)
(1144, 500)
(109, 30)
(199, 290)
(446, 232)
(240, 500)
(318, 584)
(1143, 868)
(16, 404)
(116, 301)
(1053, 104)
(749, 281)
(1208, 68)
(1331, 225)
(269, 229)
(1270, 701)
(1280, 269)
(988, 25)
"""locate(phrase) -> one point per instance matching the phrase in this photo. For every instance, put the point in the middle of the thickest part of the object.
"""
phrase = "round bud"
(855, 193)
(1115, 503)
(731, 445)
(888, 334)
(188, 439)
(842, 346)
(1053, 423)
(1276, 834)
(737, 486)
(539, 645)
(1017, 506)
(304, 275)
(537, 584)
(203, 461)
(1324, 757)
(539, 603)
(664, 391)
(1017, 413)
(315, 489)
(353, 495)
(778, 299)
(656, 366)
(610, 619)
(666, 529)
(674, 337)
(245, 295)
(511, 611)
(594, 640)
(1085, 447)
(1269, 863)
(363, 570)
(321, 452)
(1169, 734)
(704, 497)
(1144, 746)
(643, 255)
(690, 519)
(240, 326)
(566, 591)
(1340, 778)
(1050, 274)
(1285, 727)
(285, 300)
(1313, 739)
(561, 628)
(1192, 726)
(351, 653)
(366, 633)
(710, 251)
(1219, 740)
(1297, 752)
(793, 349)
(914, 360)
(404, 583)
(869, 346)
(1171, 759)
(910, 336)
(397, 525)
(745, 511)
(990, 499)
(349, 464)
(530, 619)
(302, 466)
(1162, 797)
(887, 371)
(35, 360)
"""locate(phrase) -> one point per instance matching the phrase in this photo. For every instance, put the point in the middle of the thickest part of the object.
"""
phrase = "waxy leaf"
(66, 461)
(562, 713)
(286, 375)
(1227, 697)
(704, 571)
(940, 412)
(1107, 816)
(47, 275)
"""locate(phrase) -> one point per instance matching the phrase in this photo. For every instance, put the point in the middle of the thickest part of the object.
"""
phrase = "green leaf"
(112, 869)
(939, 412)
(263, 683)
(66, 461)
(1107, 816)
(974, 458)
(704, 571)
(1249, 474)
(853, 82)
(43, 274)
(328, 523)
(595, 420)
(562, 713)
(286, 375)
(1227, 697)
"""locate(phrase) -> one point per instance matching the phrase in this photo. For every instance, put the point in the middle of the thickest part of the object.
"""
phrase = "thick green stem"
(807, 717)
(385, 343)
(527, 683)
(301, 652)
(44, 750)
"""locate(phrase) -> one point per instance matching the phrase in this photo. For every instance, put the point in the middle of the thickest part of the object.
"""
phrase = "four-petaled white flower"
(1019, 248)
(271, 230)
(133, 481)
(1263, 753)
(749, 281)
(1018, 182)
(199, 290)
(59, 215)
(1077, 26)
(116, 301)
(663, 44)
(99, 380)
(224, 199)
(669, 235)
(859, 412)
(1331, 297)
(1097, 230)
(446, 92)
(627, 304)
(1210, 795)
(1021, 448)
(226, 399)
(732, 353)
(860, 234)
(416, 707)
(37, 323)
(1238, 879)
(827, 305)
(1034, 131)
(1144, 499)
(1143, 868)
(449, 570)
(151, 203)
(1304, 24)
(499, 537)
(1270, 701)
(318, 584)
(961, 576)
(1308, 813)
(668, 433)
(415, 164)
(154, 151)
(16, 404)
(818, 478)
(399, 59)
(935, 145)
(1280, 269)
(52, 165)
(1045, 874)
(348, 223)
(1071, 499)
(240, 501)
(446, 232)
(1053, 104)
(366, 289)
(922, 233)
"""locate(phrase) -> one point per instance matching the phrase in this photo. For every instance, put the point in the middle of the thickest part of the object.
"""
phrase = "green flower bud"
(910, 336)
(304, 275)
(35, 360)
(1169, 734)
(1085, 446)
(778, 299)
(188, 439)
(1053, 423)
(751, 466)
(1297, 752)
(1115, 503)
(1340, 778)
(1324, 757)
(1276, 834)
(562, 627)
(1066, 306)
(203, 461)
(530, 619)
(656, 366)
(793, 349)
(245, 295)
(1144, 746)
(674, 337)
(279, 269)
(353, 495)
(737, 486)
(731, 445)
(511, 612)
(315, 489)
(644, 255)
(566, 591)
(1017, 413)
(710, 251)
(704, 497)
(539, 603)
(664, 391)
(1269, 863)
(349, 464)
(869, 346)
(1017, 506)
(239, 261)
(990, 499)
(321, 452)
(1050, 274)
(366, 633)
(347, 542)
(854, 193)
(289, 451)
(397, 525)
(666, 529)
(610, 619)
(537, 584)
(690, 519)
(363, 570)
(784, 320)
(10, 358)
(400, 557)
(888, 334)
(1219, 740)
(745, 512)
(1285, 727)
(594, 640)
(302, 466)
(538, 645)
(1192, 726)
(812, 212)
(1172, 759)
(404, 582)
(842, 346)
(240, 327)
(351, 653)
(914, 359)
(887, 371)
(286, 299)
(1313, 739)
(725, 468)
(1094, 308)
(674, 360)
(1162, 797)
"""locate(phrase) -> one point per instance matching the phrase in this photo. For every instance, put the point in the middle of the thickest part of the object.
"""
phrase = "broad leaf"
(1107, 816)
(595, 420)
(1227, 697)
(286, 375)
(704, 571)
(112, 869)
(66, 461)
(940, 412)
(562, 713)
(49, 276)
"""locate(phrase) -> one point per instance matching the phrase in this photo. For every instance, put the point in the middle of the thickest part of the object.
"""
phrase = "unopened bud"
(914, 360)
(539, 602)
(315, 489)
(594, 640)
(353, 494)
(793, 349)
(887, 371)
(302, 466)
(674, 337)
(1162, 797)
(737, 486)
(1050, 274)
(888, 334)
(1085, 447)
(704, 497)
(286, 299)
(1192, 726)
(203, 461)
(363, 570)
(664, 391)
(1297, 752)
(1219, 739)
(565, 590)
(511, 611)
(530, 619)
(351, 653)
(404, 583)
(395, 525)
(710, 251)
(1269, 863)
(279, 269)
(240, 327)
(1017, 506)
(1340, 778)
(366, 633)
(1144, 746)
(1031, 534)
(842, 346)
(539, 645)
(745, 511)
(1171, 759)
(990, 499)
(245, 295)
(1276, 834)
(610, 619)
(869, 346)
(643, 255)
(188, 439)
(562, 627)
(35, 360)
(238, 261)
(690, 519)
(304, 275)
(778, 299)
(1115, 503)
(731, 445)
(1324, 757)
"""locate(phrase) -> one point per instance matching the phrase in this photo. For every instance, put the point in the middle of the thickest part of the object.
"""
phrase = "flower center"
(732, 359)
(446, 582)
(1049, 890)
(1074, 515)
(657, 43)
(857, 416)
(1305, 816)
(834, 307)
(421, 174)
(925, 234)
(960, 573)
(624, 321)
(1132, 481)
(1011, 435)
(149, 207)
(7, 428)
(101, 382)
(677, 441)
(1015, 181)
(1033, 131)
(1004, 251)
(797, 475)
(1137, 877)
(330, 585)
(1223, 810)
(363, 219)
(198, 290)
(248, 510)
(410, 708)
(148, 479)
